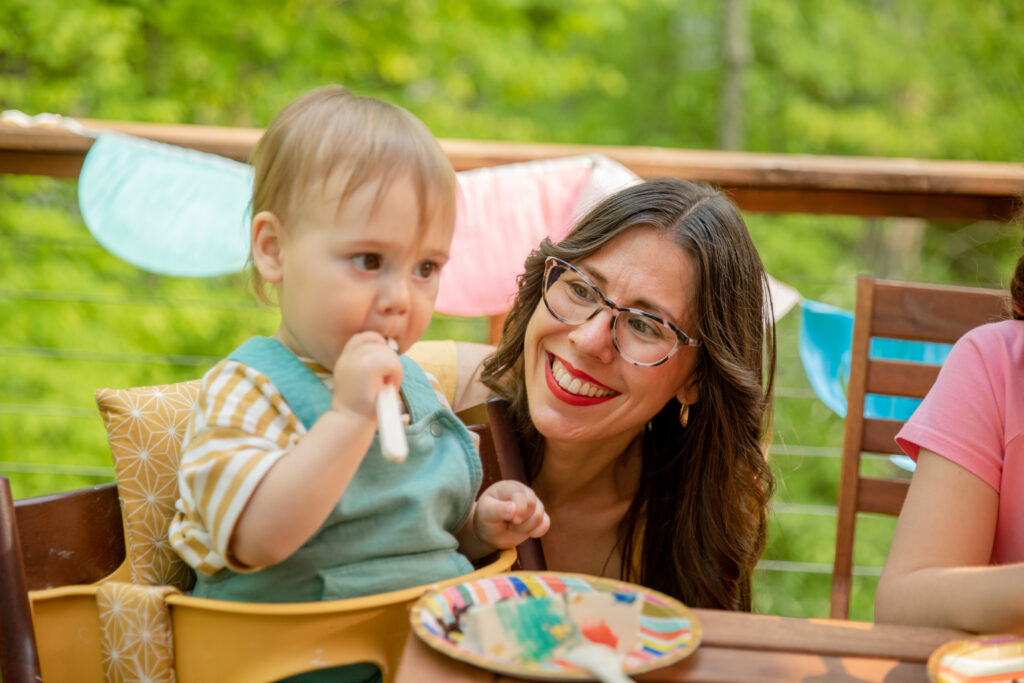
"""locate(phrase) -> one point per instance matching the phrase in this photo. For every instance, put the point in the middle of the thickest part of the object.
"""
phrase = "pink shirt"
(974, 415)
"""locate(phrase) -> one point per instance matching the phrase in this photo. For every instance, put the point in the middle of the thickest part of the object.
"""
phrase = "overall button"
(435, 428)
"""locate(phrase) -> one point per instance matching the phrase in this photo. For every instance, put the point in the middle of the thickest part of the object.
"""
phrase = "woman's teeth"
(575, 385)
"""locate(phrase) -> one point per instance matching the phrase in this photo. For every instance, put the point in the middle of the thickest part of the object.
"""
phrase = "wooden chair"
(896, 310)
(54, 540)
(58, 553)
(19, 661)
(508, 460)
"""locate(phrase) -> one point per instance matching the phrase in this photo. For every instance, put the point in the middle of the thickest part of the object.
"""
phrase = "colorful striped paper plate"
(668, 631)
(982, 659)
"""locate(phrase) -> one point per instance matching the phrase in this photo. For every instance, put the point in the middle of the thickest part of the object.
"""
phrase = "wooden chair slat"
(883, 496)
(879, 436)
(71, 538)
(510, 460)
(488, 456)
(900, 378)
(919, 312)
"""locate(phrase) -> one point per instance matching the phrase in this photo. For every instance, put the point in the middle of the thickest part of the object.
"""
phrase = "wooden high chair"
(106, 591)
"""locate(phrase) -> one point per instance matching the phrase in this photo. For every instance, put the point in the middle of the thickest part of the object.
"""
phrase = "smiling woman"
(638, 361)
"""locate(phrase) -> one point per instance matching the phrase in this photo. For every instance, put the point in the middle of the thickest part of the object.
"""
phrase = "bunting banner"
(180, 212)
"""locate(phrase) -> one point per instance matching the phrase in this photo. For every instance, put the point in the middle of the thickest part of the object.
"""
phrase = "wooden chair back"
(55, 540)
(19, 661)
(895, 310)
(508, 459)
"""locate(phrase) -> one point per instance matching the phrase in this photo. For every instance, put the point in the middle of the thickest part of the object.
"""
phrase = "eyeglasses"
(640, 337)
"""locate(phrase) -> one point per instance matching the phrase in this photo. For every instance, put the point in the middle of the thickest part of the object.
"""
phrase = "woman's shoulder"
(439, 359)
(456, 366)
(1002, 332)
(999, 343)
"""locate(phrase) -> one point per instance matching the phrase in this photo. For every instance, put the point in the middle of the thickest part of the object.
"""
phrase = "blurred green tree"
(916, 78)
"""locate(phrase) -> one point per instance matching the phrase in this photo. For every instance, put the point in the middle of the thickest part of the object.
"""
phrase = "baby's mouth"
(575, 384)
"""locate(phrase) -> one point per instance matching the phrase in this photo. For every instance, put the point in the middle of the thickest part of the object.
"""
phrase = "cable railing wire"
(51, 296)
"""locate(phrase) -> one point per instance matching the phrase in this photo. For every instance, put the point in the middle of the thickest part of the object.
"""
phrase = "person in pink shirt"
(957, 558)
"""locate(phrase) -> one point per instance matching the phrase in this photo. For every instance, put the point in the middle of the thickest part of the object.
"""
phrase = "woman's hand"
(506, 514)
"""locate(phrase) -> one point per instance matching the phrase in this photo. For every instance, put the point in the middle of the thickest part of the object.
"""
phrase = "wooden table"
(750, 648)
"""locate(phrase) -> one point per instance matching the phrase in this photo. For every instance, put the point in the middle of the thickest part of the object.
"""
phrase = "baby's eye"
(427, 269)
(367, 261)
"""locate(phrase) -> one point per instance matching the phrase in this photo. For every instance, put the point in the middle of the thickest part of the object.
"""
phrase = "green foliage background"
(916, 78)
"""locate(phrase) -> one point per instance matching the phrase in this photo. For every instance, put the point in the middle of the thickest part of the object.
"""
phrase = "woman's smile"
(574, 387)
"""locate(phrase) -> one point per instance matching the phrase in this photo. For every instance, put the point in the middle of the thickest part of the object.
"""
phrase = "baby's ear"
(267, 253)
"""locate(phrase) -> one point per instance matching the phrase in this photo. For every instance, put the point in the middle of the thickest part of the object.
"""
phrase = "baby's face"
(369, 266)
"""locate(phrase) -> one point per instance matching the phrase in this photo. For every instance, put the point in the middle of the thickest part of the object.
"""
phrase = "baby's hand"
(507, 513)
(365, 365)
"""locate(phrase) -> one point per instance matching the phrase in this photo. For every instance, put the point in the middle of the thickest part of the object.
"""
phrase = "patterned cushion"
(135, 632)
(145, 426)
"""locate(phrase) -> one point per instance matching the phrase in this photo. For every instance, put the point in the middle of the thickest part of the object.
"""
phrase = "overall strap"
(417, 391)
(303, 391)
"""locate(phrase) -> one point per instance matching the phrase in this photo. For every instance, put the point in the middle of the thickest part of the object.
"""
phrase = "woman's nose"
(594, 337)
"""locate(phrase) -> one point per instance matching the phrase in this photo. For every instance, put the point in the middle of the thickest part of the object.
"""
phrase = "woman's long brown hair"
(700, 512)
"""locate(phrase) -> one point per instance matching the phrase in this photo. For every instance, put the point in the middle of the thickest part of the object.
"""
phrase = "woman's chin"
(554, 425)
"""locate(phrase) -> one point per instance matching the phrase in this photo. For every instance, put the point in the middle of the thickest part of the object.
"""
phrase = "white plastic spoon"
(389, 421)
(599, 659)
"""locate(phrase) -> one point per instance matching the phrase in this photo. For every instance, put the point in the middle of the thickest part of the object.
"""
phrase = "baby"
(285, 495)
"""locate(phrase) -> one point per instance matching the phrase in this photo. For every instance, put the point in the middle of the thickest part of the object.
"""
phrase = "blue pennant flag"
(826, 335)
(166, 209)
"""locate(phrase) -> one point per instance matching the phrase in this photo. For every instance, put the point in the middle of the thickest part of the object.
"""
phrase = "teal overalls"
(393, 527)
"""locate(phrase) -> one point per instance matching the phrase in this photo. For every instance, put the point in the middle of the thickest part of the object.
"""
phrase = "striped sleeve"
(240, 428)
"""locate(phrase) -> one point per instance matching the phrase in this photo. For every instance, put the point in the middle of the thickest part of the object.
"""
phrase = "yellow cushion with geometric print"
(145, 426)
(136, 639)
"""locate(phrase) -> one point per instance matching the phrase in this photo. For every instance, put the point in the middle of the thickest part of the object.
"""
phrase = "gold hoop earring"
(684, 415)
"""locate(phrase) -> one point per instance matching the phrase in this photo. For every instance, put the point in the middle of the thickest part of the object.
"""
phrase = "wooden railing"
(775, 183)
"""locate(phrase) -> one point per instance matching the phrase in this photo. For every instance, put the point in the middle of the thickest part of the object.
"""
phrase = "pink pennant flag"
(504, 212)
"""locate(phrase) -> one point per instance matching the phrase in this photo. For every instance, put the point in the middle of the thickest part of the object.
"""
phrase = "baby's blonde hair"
(331, 131)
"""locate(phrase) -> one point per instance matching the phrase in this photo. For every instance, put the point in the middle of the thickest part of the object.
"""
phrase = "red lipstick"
(565, 396)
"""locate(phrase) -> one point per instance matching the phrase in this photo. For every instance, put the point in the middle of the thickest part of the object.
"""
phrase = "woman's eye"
(643, 327)
(367, 261)
(580, 291)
